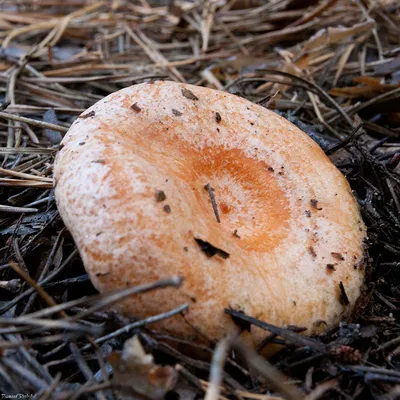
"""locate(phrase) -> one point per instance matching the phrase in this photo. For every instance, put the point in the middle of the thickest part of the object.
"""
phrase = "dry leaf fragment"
(189, 94)
(135, 107)
(332, 35)
(373, 87)
(135, 372)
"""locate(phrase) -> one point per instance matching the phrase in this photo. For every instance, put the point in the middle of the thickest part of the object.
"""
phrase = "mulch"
(332, 67)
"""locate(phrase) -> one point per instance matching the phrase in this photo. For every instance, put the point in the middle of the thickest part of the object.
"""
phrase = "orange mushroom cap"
(146, 173)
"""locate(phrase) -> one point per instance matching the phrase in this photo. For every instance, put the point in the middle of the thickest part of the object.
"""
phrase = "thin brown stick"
(263, 367)
(33, 122)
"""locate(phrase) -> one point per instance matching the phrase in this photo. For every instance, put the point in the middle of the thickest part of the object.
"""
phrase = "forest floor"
(332, 67)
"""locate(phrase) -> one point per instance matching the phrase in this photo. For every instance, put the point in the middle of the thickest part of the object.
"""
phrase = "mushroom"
(164, 178)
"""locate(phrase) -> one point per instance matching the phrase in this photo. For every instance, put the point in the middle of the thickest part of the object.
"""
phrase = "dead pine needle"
(274, 377)
(217, 367)
(210, 191)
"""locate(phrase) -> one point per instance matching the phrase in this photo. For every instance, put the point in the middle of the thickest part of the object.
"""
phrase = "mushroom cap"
(131, 186)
